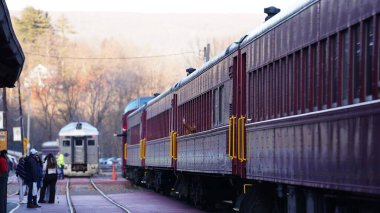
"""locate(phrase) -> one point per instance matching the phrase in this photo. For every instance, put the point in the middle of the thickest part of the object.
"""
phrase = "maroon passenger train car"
(286, 119)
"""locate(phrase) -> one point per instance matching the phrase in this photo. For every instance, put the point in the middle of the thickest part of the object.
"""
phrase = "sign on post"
(17, 134)
(3, 139)
(25, 145)
(1, 120)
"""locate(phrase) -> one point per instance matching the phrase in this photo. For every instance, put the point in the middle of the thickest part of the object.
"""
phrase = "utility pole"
(5, 122)
(5, 108)
(21, 118)
(206, 53)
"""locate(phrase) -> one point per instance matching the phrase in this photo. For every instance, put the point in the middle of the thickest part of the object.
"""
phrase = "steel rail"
(108, 198)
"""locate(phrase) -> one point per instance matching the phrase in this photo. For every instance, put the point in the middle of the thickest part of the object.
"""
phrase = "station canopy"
(11, 55)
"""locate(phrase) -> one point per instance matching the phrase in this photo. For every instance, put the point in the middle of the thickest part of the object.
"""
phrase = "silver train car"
(78, 142)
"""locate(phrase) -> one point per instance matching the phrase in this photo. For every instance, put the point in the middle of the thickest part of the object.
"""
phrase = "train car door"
(238, 115)
(79, 150)
(173, 132)
(143, 137)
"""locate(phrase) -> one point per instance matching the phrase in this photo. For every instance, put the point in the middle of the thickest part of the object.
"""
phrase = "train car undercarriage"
(210, 192)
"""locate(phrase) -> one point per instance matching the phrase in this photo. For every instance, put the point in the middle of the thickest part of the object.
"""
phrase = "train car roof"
(72, 130)
(50, 144)
(276, 20)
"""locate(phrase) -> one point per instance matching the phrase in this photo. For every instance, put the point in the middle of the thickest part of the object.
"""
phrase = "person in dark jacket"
(21, 176)
(3, 181)
(40, 174)
(32, 178)
(50, 179)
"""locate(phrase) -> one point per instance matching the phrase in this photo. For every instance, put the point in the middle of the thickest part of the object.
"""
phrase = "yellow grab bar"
(233, 137)
(229, 137)
(144, 141)
(174, 145)
(125, 152)
(142, 149)
(238, 138)
(245, 186)
(243, 139)
(171, 144)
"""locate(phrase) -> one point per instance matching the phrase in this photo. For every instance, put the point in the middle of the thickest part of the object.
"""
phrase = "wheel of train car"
(197, 194)
(150, 180)
(257, 200)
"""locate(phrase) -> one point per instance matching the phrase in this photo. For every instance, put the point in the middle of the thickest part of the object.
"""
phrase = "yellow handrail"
(238, 139)
(233, 137)
(245, 187)
(229, 137)
(125, 151)
(175, 146)
(171, 145)
(144, 150)
(243, 139)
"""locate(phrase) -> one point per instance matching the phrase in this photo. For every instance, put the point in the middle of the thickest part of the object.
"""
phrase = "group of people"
(34, 176)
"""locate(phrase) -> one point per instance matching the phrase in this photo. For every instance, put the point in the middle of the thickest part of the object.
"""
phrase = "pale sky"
(153, 6)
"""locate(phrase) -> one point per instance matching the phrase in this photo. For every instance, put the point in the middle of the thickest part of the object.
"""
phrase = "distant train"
(286, 119)
(78, 142)
(50, 147)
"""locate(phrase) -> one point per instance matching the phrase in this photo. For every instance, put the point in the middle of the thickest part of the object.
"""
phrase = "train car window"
(291, 85)
(356, 62)
(216, 108)
(284, 87)
(66, 143)
(271, 92)
(260, 93)
(278, 88)
(91, 143)
(314, 65)
(221, 104)
(298, 80)
(369, 46)
(250, 95)
(305, 80)
(334, 70)
(78, 142)
(266, 95)
(345, 66)
(324, 72)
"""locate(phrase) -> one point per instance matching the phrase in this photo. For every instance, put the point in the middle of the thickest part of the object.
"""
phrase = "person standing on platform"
(21, 175)
(3, 181)
(61, 165)
(40, 174)
(32, 178)
(50, 179)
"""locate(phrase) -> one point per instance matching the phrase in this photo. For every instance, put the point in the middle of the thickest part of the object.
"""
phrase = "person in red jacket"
(3, 181)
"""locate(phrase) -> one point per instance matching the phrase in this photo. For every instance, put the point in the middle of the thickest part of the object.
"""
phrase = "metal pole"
(5, 109)
(28, 119)
(21, 119)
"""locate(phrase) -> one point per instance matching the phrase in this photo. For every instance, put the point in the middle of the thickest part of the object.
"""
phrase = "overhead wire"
(109, 58)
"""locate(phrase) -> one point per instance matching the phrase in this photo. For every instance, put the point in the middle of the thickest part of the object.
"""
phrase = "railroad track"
(71, 204)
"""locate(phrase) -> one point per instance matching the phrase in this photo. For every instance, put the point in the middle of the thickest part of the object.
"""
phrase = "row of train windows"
(78, 143)
(340, 70)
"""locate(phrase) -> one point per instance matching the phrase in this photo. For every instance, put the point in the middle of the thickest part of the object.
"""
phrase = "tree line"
(84, 82)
